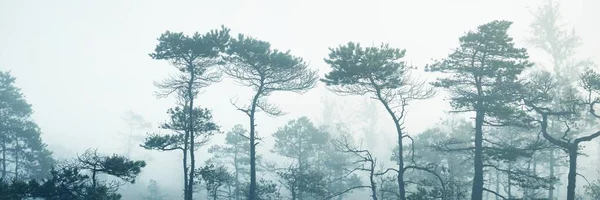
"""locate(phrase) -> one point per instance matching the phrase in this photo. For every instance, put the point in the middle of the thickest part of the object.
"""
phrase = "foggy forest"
(300, 100)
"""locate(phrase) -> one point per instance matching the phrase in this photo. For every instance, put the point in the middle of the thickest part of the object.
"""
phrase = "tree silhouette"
(252, 63)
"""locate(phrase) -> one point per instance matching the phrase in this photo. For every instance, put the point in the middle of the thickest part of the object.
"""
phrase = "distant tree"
(214, 178)
(379, 73)
(549, 34)
(305, 144)
(569, 108)
(364, 160)
(23, 155)
(337, 166)
(235, 153)
(254, 64)
(177, 140)
(483, 73)
(115, 165)
(154, 191)
(68, 182)
(439, 148)
(194, 56)
(135, 122)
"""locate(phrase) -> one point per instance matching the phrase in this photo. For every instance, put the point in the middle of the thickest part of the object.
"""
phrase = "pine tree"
(23, 155)
(483, 78)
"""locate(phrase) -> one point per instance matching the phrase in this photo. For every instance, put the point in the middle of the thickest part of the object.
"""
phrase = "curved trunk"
(400, 177)
(372, 180)
(252, 190)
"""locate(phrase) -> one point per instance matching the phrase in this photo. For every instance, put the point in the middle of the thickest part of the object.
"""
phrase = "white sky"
(82, 64)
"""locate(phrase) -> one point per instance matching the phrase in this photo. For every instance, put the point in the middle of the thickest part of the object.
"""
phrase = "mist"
(85, 67)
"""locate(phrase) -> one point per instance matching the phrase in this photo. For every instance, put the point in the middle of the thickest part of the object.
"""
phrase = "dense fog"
(301, 100)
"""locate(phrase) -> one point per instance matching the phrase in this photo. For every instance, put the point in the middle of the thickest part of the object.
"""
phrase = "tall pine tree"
(483, 78)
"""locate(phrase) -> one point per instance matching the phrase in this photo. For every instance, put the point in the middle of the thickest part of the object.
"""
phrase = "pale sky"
(82, 64)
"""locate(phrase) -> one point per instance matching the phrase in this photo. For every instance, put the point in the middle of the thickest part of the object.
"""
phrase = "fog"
(84, 64)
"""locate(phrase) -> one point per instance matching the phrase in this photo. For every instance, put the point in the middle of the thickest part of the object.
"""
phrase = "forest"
(517, 129)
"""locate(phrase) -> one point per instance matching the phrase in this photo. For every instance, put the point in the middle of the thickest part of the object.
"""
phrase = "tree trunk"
(552, 164)
(192, 156)
(94, 178)
(400, 178)
(372, 180)
(237, 171)
(17, 156)
(190, 95)
(497, 184)
(185, 169)
(4, 160)
(477, 190)
(252, 191)
(572, 171)
(509, 183)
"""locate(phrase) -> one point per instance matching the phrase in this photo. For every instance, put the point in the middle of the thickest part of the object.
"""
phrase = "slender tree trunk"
(497, 184)
(185, 169)
(17, 156)
(252, 191)
(552, 164)
(229, 192)
(477, 190)
(94, 178)
(572, 177)
(509, 182)
(372, 180)
(191, 128)
(489, 181)
(4, 171)
(237, 171)
(192, 156)
(400, 158)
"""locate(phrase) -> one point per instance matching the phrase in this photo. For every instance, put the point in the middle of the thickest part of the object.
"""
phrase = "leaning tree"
(571, 109)
(253, 63)
(380, 73)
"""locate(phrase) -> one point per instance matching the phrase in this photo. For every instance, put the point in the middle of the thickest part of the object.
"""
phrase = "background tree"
(336, 166)
(154, 191)
(363, 161)
(177, 140)
(234, 152)
(23, 155)
(550, 34)
(438, 148)
(115, 165)
(254, 64)
(304, 143)
(135, 122)
(482, 78)
(572, 108)
(214, 178)
(194, 57)
(379, 73)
